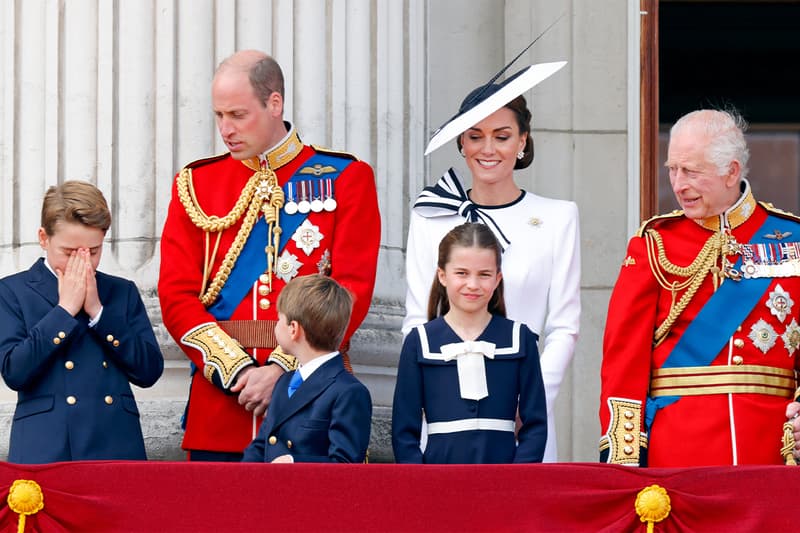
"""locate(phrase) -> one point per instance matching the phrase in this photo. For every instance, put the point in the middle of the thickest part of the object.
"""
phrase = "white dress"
(541, 273)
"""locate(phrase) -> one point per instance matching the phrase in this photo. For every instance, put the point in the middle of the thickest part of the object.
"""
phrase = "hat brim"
(526, 80)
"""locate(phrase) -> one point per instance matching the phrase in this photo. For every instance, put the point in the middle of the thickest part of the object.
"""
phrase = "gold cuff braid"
(624, 437)
(221, 354)
(282, 359)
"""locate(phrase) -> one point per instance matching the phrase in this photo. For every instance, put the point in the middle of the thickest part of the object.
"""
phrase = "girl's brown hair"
(468, 235)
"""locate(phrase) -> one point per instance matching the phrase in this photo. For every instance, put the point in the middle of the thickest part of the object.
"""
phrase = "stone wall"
(117, 93)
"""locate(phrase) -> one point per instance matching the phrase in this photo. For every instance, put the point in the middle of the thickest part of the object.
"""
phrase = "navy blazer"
(74, 400)
(327, 419)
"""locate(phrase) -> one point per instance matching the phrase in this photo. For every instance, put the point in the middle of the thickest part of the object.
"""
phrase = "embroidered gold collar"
(736, 215)
(280, 154)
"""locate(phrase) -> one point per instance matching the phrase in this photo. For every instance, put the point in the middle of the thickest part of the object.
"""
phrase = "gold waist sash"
(724, 379)
(251, 333)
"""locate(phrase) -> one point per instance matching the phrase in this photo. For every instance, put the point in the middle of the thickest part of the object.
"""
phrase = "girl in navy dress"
(469, 369)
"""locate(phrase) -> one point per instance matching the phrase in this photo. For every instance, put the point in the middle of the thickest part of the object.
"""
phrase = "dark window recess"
(741, 54)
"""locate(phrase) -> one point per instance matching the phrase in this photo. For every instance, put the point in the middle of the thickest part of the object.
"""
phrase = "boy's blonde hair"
(75, 201)
(321, 306)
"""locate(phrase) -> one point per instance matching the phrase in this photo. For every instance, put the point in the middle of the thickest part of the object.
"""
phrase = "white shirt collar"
(50, 268)
(307, 369)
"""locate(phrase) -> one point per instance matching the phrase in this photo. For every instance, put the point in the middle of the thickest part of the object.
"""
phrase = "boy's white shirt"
(307, 369)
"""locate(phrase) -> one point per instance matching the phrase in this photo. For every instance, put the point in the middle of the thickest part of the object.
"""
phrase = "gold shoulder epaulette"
(674, 214)
(328, 151)
(207, 160)
(779, 212)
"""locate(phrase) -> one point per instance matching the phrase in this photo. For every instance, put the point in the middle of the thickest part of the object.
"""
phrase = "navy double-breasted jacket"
(328, 419)
(74, 400)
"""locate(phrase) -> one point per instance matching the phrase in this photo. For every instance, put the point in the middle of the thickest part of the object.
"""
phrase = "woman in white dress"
(540, 237)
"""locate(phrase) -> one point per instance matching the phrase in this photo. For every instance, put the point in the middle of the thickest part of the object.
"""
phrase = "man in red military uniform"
(702, 340)
(239, 227)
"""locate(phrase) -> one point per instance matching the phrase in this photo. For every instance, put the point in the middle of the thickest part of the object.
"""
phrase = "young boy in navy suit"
(72, 339)
(320, 412)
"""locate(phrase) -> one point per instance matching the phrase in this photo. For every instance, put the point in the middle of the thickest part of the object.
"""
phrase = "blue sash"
(718, 319)
(252, 261)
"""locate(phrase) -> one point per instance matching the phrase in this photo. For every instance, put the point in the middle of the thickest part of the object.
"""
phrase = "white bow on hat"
(471, 366)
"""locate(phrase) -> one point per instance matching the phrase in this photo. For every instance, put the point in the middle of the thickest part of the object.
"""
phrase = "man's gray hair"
(725, 128)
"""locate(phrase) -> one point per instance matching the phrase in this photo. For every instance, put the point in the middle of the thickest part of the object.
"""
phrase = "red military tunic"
(728, 422)
(347, 241)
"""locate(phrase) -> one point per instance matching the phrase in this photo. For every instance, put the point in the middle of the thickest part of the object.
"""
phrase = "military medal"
(791, 337)
(307, 237)
(324, 264)
(329, 204)
(287, 266)
(290, 207)
(780, 303)
(771, 260)
(763, 335)
(778, 235)
(304, 206)
(316, 203)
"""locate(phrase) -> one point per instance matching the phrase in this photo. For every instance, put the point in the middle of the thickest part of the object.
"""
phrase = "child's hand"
(286, 458)
(92, 304)
(72, 284)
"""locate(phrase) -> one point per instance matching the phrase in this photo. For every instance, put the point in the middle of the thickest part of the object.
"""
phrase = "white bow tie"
(471, 366)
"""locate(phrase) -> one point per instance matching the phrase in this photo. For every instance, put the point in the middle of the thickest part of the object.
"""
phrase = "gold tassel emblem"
(25, 498)
(652, 505)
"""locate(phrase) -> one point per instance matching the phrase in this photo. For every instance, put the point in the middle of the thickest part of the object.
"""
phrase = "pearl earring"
(462, 152)
(520, 154)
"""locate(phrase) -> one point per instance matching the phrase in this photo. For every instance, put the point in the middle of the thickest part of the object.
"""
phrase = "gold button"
(115, 343)
(738, 359)
(263, 303)
(739, 343)
(288, 444)
(273, 439)
(628, 450)
(628, 438)
(263, 278)
(109, 337)
(105, 364)
(62, 335)
(109, 400)
(69, 365)
(628, 414)
(56, 340)
(263, 290)
(628, 426)
(72, 400)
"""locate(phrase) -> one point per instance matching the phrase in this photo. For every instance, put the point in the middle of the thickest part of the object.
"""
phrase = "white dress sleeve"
(563, 305)
(421, 256)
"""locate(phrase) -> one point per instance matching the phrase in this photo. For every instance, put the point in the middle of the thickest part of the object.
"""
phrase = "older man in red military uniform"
(239, 227)
(702, 336)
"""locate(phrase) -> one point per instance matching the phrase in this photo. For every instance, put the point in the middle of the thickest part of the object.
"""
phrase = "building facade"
(118, 94)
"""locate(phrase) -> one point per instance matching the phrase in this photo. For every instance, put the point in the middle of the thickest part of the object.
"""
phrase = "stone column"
(118, 94)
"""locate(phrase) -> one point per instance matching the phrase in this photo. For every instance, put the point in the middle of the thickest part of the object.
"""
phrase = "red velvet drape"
(196, 497)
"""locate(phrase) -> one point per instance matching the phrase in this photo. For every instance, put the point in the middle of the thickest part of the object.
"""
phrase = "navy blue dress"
(469, 431)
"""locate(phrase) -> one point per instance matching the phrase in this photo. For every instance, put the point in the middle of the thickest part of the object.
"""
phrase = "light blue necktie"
(295, 382)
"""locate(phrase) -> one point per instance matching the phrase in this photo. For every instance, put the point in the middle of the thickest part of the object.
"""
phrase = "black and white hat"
(488, 98)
